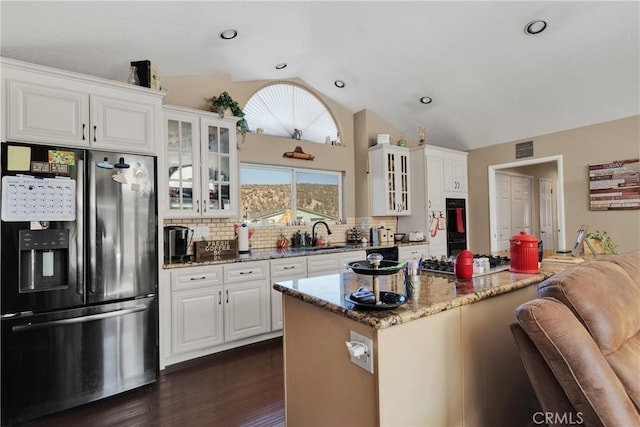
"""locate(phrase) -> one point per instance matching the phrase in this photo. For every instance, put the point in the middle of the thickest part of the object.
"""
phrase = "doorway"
(494, 207)
(514, 201)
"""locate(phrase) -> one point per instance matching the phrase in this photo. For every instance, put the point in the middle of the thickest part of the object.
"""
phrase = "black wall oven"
(456, 226)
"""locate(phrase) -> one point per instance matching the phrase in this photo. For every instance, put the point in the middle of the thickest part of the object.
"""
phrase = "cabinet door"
(182, 167)
(455, 175)
(218, 170)
(390, 181)
(246, 309)
(122, 124)
(403, 177)
(196, 319)
(283, 270)
(435, 186)
(38, 113)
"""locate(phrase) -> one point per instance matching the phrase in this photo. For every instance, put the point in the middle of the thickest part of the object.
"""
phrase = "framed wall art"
(614, 185)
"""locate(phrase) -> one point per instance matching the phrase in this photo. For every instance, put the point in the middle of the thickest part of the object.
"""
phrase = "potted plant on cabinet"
(224, 102)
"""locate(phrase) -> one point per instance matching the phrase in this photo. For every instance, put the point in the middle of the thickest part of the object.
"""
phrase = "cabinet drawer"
(196, 277)
(410, 252)
(295, 266)
(348, 257)
(329, 263)
(246, 271)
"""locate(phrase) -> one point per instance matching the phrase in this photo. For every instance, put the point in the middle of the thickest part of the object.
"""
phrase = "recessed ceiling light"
(535, 27)
(426, 100)
(339, 83)
(228, 34)
(281, 66)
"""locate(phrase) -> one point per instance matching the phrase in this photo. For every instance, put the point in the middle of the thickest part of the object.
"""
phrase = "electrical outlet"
(366, 360)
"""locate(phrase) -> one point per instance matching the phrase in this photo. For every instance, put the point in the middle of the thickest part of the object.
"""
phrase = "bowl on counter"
(397, 237)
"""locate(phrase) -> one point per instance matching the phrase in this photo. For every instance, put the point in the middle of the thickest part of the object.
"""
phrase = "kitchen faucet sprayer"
(314, 240)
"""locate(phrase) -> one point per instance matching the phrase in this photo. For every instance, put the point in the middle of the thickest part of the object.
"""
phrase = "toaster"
(416, 236)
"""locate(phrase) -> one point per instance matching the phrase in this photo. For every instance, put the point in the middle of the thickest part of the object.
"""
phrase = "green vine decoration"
(221, 103)
(605, 241)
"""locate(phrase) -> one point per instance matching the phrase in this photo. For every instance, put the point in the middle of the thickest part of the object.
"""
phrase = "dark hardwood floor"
(239, 387)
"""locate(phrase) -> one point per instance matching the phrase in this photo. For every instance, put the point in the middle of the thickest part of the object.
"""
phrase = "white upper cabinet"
(455, 173)
(390, 180)
(201, 164)
(51, 106)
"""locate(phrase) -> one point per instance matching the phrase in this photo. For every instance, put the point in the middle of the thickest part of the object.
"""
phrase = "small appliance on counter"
(176, 243)
(416, 236)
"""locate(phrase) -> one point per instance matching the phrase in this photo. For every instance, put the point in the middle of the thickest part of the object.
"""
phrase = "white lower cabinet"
(218, 304)
(406, 253)
(282, 270)
(247, 302)
(351, 256)
(196, 309)
(321, 265)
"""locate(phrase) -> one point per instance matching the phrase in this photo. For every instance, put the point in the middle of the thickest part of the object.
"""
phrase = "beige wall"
(614, 140)
(191, 92)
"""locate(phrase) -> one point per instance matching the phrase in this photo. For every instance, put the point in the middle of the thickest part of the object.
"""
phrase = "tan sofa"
(579, 341)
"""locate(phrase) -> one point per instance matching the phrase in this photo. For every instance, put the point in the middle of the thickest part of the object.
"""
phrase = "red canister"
(463, 265)
(524, 254)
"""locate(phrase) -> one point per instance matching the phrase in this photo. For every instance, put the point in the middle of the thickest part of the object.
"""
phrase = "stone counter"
(439, 292)
(270, 253)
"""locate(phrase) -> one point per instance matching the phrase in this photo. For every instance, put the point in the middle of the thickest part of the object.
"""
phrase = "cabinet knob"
(95, 130)
(227, 291)
(83, 127)
(219, 297)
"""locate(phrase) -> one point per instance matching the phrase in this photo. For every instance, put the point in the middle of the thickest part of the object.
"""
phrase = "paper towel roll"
(243, 239)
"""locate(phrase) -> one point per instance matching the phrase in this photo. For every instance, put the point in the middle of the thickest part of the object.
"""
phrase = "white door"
(503, 202)
(546, 214)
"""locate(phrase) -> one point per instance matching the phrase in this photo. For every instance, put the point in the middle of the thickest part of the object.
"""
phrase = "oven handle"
(80, 319)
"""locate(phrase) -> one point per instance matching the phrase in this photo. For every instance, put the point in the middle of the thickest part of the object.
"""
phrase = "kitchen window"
(287, 196)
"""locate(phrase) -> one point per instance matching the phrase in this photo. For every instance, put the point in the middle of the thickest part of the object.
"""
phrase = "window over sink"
(287, 196)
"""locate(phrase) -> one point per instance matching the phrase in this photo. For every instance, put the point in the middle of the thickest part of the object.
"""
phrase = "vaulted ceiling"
(489, 81)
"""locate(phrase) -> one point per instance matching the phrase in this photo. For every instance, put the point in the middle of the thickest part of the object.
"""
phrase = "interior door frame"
(493, 226)
(540, 193)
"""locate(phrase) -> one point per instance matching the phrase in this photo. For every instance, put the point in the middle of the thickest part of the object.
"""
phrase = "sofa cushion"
(606, 301)
(588, 381)
(629, 262)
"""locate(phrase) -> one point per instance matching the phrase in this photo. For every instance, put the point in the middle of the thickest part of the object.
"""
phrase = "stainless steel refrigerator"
(79, 277)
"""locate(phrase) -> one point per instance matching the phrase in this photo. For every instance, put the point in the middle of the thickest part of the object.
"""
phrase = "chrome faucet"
(313, 232)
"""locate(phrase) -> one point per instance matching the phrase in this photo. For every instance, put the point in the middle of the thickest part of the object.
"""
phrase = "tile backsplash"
(266, 237)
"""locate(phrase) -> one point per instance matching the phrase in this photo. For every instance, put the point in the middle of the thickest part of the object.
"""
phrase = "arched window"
(281, 108)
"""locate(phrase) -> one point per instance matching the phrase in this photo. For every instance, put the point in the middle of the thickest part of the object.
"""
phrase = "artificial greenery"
(221, 103)
(605, 241)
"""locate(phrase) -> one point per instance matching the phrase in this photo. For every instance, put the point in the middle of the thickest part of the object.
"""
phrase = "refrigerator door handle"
(74, 320)
(80, 182)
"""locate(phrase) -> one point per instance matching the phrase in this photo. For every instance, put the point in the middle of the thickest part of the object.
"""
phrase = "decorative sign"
(27, 198)
(215, 250)
(614, 185)
(524, 149)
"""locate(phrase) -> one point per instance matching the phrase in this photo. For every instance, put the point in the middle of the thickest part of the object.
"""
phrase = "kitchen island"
(444, 358)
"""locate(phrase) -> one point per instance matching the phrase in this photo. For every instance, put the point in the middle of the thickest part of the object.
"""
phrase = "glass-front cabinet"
(200, 164)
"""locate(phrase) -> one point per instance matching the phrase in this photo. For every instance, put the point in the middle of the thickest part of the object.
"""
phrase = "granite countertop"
(266, 254)
(439, 292)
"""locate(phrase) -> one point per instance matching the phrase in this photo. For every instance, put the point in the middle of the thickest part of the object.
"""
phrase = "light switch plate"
(366, 360)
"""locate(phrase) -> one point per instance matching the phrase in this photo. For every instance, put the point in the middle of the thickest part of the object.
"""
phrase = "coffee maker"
(176, 243)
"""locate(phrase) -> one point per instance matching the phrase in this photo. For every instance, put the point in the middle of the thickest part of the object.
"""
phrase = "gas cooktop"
(496, 263)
